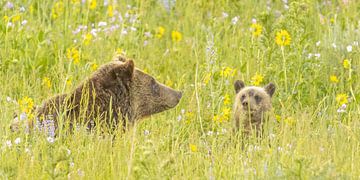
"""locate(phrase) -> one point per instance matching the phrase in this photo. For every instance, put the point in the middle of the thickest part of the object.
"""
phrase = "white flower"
(146, 132)
(27, 150)
(235, 20)
(24, 22)
(9, 5)
(72, 164)
(225, 15)
(333, 45)
(106, 2)
(50, 139)
(318, 43)
(101, 24)
(286, 7)
(209, 133)
(253, 20)
(17, 140)
(133, 28)
(8, 143)
(317, 55)
(342, 109)
(8, 99)
(9, 24)
(179, 118)
(146, 43)
(349, 48)
(68, 151)
(80, 173)
(124, 32)
(356, 43)
(182, 111)
(22, 9)
(310, 55)
(147, 34)
(23, 116)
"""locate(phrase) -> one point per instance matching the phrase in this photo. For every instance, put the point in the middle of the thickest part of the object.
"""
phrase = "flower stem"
(284, 67)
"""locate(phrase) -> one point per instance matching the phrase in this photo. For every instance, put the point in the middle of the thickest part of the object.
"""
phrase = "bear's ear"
(120, 58)
(238, 85)
(129, 68)
(270, 89)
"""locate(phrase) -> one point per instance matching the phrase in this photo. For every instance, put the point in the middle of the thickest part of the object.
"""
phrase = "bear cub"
(250, 105)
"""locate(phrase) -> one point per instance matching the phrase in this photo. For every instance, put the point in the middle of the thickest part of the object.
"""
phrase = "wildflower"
(120, 51)
(234, 20)
(50, 139)
(87, 39)
(342, 98)
(110, 11)
(346, 64)
(8, 99)
(227, 72)
(92, 4)
(146, 132)
(6, 18)
(283, 38)
(46, 82)
(15, 18)
(69, 81)
(147, 34)
(256, 29)
(80, 173)
(8, 143)
(225, 15)
(257, 79)
(102, 23)
(207, 78)
(57, 9)
(17, 140)
(226, 113)
(333, 45)
(31, 9)
(278, 118)
(226, 99)
(22, 9)
(160, 32)
(73, 54)
(193, 148)
(26, 104)
(317, 55)
(342, 109)
(349, 48)
(94, 66)
(318, 43)
(24, 22)
(334, 79)
(289, 121)
(176, 36)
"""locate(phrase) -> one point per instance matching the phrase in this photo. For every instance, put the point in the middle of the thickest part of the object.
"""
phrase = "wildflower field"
(308, 48)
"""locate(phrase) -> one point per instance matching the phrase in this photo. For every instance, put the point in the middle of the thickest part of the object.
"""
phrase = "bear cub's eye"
(257, 99)
(242, 97)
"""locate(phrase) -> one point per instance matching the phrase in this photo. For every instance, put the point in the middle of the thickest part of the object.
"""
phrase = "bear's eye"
(242, 97)
(257, 99)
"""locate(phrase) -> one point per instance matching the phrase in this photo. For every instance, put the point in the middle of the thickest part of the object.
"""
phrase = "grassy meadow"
(308, 48)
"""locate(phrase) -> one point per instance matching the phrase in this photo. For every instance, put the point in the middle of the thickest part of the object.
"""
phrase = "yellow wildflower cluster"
(110, 11)
(87, 39)
(26, 105)
(160, 32)
(92, 4)
(283, 38)
(16, 18)
(256, 29)
(257, 79)
(226, 99)
(227, 72)
(46, 82)
(224, 116)
(207, 78)
(57, 10)
(93, 67)
(73, 54)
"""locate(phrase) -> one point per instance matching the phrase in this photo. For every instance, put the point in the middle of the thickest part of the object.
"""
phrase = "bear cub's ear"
(129, 68)
(120, 58)
(238, 85)
(270, 89)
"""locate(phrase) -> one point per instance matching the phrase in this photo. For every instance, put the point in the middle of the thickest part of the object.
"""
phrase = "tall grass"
(45, 50)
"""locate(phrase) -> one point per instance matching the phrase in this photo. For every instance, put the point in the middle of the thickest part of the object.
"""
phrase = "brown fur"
(116, 93)
(250, 105)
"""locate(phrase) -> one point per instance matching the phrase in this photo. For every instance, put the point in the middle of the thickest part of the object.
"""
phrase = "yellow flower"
(69, 81)
(160, 32)
(227, 72)
(87, 39)
(169, 83)
(73, 54)
(6, 18)
(226, 113)
(119, 51)
(256, 29)
(31, 9)
(94, 66)
(207, 78)
(26, 105)
(334, 79)
(110, 11)
(342, 98)
(193, 148)
(75, 1)
(15, 18)
(46, 82)
(283, 38)
(226, 99)
(290, 121)
(257, 79)
(176, 36)
(346, 64)
(57, 9)
(92, 4)
(278, 118)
